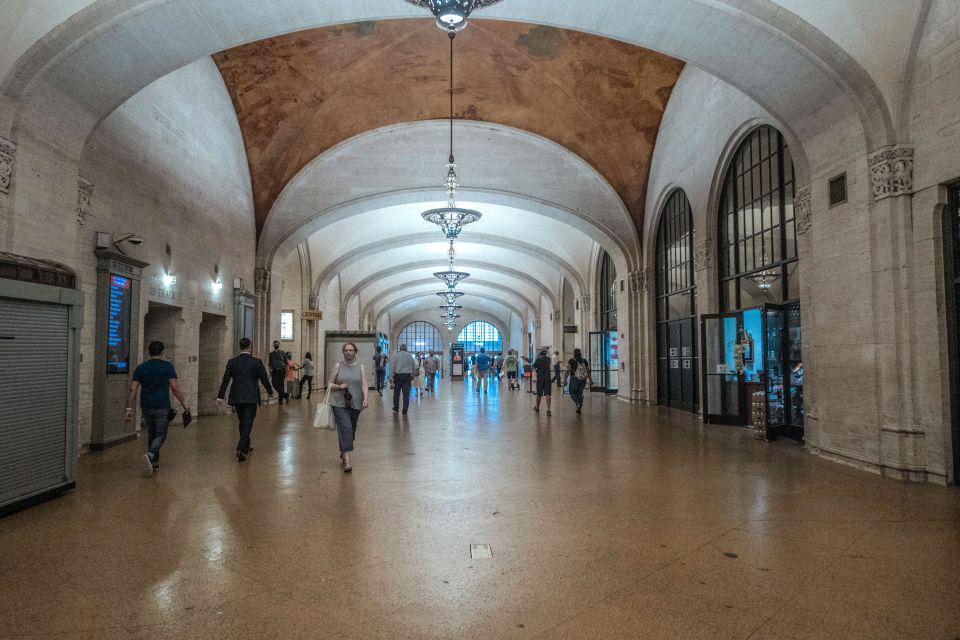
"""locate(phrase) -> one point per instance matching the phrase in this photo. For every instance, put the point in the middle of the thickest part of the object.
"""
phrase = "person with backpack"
(510, 365)
(578, 375)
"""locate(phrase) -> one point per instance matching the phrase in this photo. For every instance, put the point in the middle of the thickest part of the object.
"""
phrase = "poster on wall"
(118, 325)
(456, 360)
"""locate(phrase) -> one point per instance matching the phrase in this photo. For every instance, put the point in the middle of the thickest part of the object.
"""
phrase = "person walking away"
(497, 365)
(431, 365)
(292, 383)
(402, 377)
(306, 378)
(417, 382)
(483, 369)
(510, 365)
(541, 368)
(157, 378)
(556, 369)
(278, 371)
(578, 375)
(349, 384)
(242, 374)
(380, 368)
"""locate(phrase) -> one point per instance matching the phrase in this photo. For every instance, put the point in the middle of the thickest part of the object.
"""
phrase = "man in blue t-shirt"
(483, 369)
(157, 378)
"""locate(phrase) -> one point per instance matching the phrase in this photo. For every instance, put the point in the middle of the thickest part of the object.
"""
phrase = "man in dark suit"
(245, 371)
(278, 372)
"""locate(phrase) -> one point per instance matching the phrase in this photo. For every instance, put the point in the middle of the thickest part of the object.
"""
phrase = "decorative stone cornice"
(891, 172)
(84, 196)
(802, 209)
(701, 256)
(8, 154)
(261, 278)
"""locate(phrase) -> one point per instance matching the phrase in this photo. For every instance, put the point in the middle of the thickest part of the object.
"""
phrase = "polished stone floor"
(625, 522)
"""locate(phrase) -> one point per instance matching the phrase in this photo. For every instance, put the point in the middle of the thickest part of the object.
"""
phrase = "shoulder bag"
(324, 416)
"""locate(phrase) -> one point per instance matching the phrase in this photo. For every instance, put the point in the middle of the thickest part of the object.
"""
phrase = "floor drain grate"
(480, 551)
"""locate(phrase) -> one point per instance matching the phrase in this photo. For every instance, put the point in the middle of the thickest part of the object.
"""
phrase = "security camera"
(135, 240)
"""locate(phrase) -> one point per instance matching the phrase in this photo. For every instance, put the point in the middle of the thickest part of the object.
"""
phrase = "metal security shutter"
(34, 360)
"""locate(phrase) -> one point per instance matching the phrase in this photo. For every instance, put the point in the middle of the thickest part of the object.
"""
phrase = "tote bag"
(324, 417)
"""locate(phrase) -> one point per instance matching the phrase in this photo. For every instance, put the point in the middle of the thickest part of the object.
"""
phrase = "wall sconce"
(169, 279)
(217, 283)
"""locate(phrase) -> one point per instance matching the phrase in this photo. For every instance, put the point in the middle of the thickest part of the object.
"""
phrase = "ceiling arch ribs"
(366, 252)
(478, 288)
(379, 276)
(504, 311)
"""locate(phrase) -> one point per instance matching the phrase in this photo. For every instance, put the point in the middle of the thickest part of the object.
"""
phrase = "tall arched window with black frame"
(677, 359)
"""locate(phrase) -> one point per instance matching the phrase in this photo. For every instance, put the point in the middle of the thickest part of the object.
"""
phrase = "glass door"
(598, 368)
(776, 396)
(612, 351)
(794, 349)
(723, 388)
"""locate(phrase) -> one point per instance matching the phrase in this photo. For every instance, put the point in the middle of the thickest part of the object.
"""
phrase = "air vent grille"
(838, 190)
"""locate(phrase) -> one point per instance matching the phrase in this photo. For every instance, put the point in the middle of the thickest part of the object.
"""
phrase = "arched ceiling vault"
(486, 303)
(385, 275)
(427, 288)
(364, 254)
(298, 95)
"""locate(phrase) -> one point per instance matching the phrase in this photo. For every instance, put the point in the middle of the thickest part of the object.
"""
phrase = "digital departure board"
(118, 325)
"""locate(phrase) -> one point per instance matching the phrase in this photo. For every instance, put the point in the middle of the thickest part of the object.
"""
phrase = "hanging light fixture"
(450, 296)
(451, 218)
(450, 308)
(450, 277)
(452, 15)
(768, 277)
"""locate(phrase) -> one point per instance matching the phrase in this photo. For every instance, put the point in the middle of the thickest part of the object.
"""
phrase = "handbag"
(324, 416)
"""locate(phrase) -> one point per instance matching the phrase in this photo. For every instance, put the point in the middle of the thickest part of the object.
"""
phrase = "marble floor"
(624, 522)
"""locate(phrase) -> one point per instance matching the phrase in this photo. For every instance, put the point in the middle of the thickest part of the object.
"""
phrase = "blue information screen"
(118, 325)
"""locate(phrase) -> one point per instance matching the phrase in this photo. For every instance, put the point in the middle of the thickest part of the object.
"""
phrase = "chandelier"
(450, 296)
(452, 15)
(450, 277)
(768, 277)
(451, 218)
(451, 308)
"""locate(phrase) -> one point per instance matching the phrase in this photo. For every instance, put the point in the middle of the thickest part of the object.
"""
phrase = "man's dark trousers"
(246, 412)
(278, 378)
(401, 384)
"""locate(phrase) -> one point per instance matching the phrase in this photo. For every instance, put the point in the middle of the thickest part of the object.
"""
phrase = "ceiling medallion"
(452, 15)
(451, 219)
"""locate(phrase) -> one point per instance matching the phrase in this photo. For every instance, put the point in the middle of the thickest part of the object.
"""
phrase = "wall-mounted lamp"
(217, 283)
(169, 279)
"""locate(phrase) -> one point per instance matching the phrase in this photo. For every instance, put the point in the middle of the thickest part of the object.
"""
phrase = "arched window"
(481, 334)
(757, 236)
(676, 306)
(607, 306)
(420, 337)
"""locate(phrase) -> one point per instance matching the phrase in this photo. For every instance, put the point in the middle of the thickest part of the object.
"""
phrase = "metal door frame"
(741, 387)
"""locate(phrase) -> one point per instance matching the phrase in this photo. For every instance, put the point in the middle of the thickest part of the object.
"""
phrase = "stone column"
(8, 154)
(902, 446)
(638, 337)
(261, 291)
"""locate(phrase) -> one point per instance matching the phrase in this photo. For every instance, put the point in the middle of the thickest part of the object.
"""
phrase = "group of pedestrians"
(156, 379)
(283, 374)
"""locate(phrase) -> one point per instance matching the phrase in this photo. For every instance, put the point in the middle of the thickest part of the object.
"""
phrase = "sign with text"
(311, 315)
(118, 325)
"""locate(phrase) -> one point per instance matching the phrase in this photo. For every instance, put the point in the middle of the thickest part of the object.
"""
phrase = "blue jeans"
(157, 423)
(576, 389)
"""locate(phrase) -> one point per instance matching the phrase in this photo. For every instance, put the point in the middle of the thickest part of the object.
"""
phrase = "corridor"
(625, 522)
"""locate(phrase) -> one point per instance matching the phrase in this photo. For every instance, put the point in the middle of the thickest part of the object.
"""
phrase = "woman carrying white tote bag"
(324, 416)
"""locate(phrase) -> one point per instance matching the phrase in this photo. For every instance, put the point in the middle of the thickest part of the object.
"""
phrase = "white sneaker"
(147, 465)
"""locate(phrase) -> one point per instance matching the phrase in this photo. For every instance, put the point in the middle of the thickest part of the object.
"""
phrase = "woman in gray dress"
(348, 380)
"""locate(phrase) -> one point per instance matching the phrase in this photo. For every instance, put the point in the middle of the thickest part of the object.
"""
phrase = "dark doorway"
(951, 250)
(213, 331)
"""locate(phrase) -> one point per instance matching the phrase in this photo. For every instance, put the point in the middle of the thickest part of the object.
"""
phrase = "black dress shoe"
(240, 457)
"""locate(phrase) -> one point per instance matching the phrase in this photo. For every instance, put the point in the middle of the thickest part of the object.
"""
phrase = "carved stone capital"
(343, 318)
(643, 280)
(313, 302)
(802, 209)
(891, 172)
(8, 154)
(701, 256)
(585, 303)
(261, 278)
(84, 196)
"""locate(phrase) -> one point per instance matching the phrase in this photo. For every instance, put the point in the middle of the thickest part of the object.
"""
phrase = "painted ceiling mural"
(300, 94)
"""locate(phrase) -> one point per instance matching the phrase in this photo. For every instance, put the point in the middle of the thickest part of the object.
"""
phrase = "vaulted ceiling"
(301, 94)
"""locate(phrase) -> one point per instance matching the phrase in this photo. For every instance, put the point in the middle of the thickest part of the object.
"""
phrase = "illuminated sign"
(118, 325)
